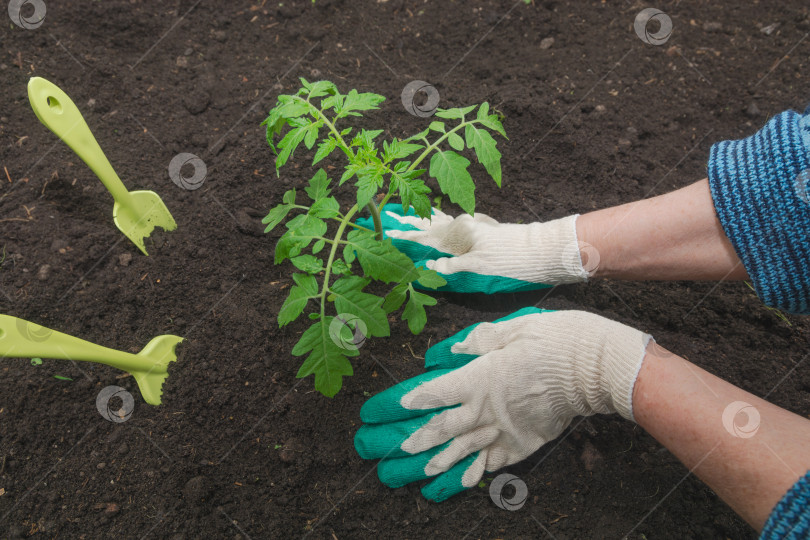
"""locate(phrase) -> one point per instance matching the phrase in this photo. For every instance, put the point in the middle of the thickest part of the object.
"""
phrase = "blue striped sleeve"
(760, 186)
(790, 518)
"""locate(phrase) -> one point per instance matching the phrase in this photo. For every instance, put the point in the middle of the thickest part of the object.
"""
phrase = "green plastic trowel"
(136, 213)
(23, 339)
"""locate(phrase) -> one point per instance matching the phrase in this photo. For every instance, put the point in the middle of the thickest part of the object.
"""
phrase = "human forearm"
(683, 407)
(669, 237)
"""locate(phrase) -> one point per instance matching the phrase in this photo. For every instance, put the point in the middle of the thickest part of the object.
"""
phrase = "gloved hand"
(478, 254)
(497, 392)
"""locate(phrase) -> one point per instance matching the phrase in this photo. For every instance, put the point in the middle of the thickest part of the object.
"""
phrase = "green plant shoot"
(327, 256)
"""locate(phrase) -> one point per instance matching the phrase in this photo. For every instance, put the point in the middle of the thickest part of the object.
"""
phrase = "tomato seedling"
(391, 170)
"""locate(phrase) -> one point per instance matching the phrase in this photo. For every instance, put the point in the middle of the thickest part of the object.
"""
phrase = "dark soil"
(240, 447)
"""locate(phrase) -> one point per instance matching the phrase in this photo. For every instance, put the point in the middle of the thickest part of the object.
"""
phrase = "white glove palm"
(529, 378)
(478, 254)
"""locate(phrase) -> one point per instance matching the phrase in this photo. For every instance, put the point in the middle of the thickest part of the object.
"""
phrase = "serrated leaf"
(414, 311)
(340, 267)
(456, 142)
(312, 134)
(455, 112)
(483, 111)
(349, 298)
(318, 186)
(437, 126)
(485, 150)
(419, 136)
(356, 101)
(276, 216)
(493, 122)
(324, 149)
(306, 287)
(431, 279)
(326, 360)
(308, 263)
(348, 254)
(288, 145)
(322, 88)
(380, 259)
(399, 150)
(412, 192)
(395, 298)
(325, 208)
(366, 189)
(299, 236)
(450, 170)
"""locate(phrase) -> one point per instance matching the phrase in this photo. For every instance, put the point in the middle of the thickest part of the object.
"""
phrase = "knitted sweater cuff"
(761, 191)
(790, 518)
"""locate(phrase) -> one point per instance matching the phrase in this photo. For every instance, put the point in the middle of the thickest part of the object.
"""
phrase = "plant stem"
(336, 242)
(375, 216)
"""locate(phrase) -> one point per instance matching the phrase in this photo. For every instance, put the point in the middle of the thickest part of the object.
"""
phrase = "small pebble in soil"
(59, 245)
(546, 43)
(124, 259)
(712, 26)
(44, 272)
(196, 102)
(599, 109)
(591, 457)
(196, 489)
(752, 111)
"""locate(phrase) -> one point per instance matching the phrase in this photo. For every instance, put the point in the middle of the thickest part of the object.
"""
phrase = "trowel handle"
(23, 339)
(57, 111)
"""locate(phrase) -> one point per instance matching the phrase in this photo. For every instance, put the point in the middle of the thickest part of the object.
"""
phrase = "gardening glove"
(495, 393)
(478, 254)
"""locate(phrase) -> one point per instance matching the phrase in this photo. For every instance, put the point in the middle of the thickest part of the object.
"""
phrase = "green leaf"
(349, 298)
(485, 149)
(381, 260)
(36, 361)
(450, 170)
(430, 279)
(276, 216)
(288, 144)
(356, 101)
(366, 189)
(340, 267)
(414, 311)
(289, 196)
(418, 136)
(492, 121)
(302, 229)
(321, 88)
(325, 208)
(318, 186)
(395, 298)
(324, 149)
(318, 246)
(348, 254)
(456, 142)
(306, 287)
(308, 263)
(312, 133)
(399, 150)
(455, 112)
(412, 192)
(437, 126)
(326, 360)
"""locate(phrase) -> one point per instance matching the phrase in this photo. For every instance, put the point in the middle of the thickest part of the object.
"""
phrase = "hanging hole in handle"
(54, 104)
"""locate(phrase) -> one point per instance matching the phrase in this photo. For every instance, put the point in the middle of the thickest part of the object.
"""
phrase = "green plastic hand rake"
(23, 339)
(136, 213)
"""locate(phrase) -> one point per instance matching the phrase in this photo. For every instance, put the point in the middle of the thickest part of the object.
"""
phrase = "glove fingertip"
(449, 483)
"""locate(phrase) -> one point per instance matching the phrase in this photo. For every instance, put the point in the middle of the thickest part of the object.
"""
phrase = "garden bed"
(242, 447)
